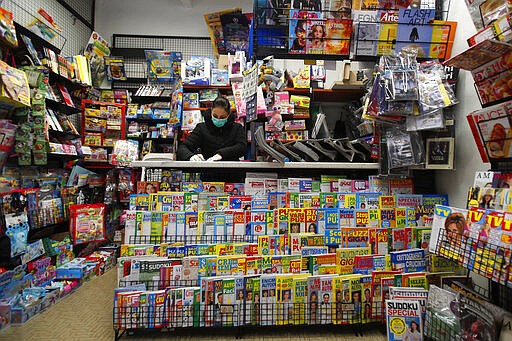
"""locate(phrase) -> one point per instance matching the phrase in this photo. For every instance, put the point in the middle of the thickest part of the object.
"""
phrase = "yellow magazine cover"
(296, 220)
(350, 201)
(387, 201)
(443, 34)
(311, 218)
(355, 296)
(263, 245)
(401, 217)
(337, 294)
(366, 297)
(418, 281)
(282, 220)
(345, 258)
(374, 217)
(299, 298)
(316, 261)
(326, 308)
(271, 226)
(362, 218)
(284, 284)
(387, 32)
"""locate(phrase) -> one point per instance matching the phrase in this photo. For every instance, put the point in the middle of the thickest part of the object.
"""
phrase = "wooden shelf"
(254, 165)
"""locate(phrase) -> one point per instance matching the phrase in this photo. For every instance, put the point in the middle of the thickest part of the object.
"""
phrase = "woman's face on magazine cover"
(318, 31)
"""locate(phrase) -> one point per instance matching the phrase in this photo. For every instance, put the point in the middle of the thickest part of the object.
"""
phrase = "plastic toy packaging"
(434, 91)
(87, 223)
(125, 184)
(17, 231)
(431, 120)
(404, 149)
(110, 189)
(399, 75)
(125, 151)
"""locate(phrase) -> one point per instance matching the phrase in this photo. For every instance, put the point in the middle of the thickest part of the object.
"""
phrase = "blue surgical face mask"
(219, 122)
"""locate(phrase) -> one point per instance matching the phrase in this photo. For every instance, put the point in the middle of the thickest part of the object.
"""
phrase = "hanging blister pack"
(404, 149)
(399, 75)
(400, 152)
(434, 91)
(432, 120)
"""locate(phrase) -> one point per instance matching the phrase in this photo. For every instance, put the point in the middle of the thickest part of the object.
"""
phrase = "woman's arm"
(191, 144)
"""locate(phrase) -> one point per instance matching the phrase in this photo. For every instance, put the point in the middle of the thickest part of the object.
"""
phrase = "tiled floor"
(87, 315)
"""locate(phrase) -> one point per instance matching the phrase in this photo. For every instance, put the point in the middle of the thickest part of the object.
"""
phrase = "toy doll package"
(87, 223)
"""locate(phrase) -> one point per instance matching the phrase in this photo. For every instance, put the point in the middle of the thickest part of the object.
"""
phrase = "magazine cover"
(298, 30)
(97, 48)
(448, 227)
(235, 28)
(214, 25)
(337, 37)
(316, 34)
(339, 9)
(403, 318)
(415, 30)
(115, 68)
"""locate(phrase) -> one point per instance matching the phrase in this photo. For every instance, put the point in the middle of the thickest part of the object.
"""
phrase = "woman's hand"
(216, 157)
(197, 157)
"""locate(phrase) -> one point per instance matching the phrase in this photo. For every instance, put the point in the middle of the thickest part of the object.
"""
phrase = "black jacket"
(229, 141)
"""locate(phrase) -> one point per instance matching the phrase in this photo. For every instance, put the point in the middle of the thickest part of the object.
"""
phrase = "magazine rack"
(236, 316)
(274, 33)
(487, 259)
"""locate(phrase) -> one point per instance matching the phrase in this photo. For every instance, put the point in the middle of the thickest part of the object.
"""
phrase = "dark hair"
(222, 102)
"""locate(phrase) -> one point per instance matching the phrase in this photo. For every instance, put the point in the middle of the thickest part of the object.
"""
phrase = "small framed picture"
(440, 153)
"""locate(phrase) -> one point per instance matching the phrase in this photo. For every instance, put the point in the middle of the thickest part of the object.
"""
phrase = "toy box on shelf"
(103, 120)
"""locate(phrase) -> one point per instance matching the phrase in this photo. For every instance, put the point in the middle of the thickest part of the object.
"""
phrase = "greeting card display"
(87, 223)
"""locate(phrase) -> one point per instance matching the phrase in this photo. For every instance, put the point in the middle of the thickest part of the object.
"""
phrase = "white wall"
(159, 17)
(170, 17)
(467, 159)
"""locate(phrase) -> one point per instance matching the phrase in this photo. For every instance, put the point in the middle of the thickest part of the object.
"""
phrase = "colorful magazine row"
(159, 272)
(219, 201)
(160, 178)
(330, 222)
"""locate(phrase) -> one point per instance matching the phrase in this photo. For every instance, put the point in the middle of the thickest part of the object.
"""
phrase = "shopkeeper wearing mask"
(218, 138)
